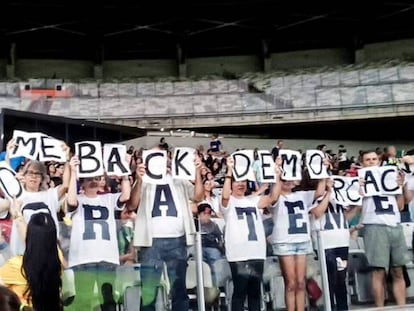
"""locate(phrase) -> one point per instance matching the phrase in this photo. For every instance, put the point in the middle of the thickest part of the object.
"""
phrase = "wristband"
(229, 177)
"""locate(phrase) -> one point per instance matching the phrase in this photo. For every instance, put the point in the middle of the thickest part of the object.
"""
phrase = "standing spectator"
(332, 218)
(275, 150)
(93, 252)
(384, 238)
(291, 237)
(164, 228)
(245, 239)
(389, 157)
(216, 146)
(37, 197)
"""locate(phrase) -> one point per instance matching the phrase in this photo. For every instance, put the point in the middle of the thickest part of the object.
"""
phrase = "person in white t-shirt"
(93, 251)
(291, 239)
(244, 238)
(383, 235)
(37, 196)
(164, 227)
(332, 219)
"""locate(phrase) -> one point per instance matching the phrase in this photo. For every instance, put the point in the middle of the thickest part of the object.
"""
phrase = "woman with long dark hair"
(36, 276)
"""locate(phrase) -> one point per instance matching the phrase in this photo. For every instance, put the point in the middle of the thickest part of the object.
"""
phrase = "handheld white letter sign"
(389, 183)
(266, 167)
(182, 165)
(314, 163)
(51, 149)
(8, 182)
(27, 144)
(380, 180)
(37, 146)
(346, 190)
(114, 158)
(291, 164)
(90, 157)
(155, 166)
(243, 161)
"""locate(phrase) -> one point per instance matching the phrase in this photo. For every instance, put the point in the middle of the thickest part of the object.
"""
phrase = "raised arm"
(135, 196)
(72, 197)
(125, 189)
(63, 188)
(18, 219)
(321, 207)
(273, 196)
(198, 186)
(226, 192)
(401, 198)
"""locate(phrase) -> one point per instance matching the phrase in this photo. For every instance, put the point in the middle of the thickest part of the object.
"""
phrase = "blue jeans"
(173, 252)
(210, 256)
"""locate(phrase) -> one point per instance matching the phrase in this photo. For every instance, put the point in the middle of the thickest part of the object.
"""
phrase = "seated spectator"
(125, 235)
(9, 301)
(211, 236)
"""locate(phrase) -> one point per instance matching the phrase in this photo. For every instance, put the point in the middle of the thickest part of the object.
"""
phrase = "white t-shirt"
(291, 217)
(94, 237)
(410, 187)
(381, 210)
(333, 226)
(244, 235)
(167, 203)
(35, 202)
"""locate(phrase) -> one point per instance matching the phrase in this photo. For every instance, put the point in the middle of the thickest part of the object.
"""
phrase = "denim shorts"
(291, 249)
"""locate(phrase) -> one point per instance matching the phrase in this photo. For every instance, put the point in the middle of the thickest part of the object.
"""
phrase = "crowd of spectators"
(55, 197)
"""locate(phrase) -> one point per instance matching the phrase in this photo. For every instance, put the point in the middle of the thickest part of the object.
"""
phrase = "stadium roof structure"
(155, 29)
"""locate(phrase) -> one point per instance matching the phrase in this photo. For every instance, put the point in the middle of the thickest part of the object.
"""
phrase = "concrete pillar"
(98, 72)
(267, 64)
(182, 70)
(359, 56)
(10, 71)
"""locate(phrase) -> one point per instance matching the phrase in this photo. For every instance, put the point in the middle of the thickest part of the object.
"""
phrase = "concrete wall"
(48, 68)
(230, 144)
(310, 58)
(401, 49)
(140, 68)
(220, 65)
